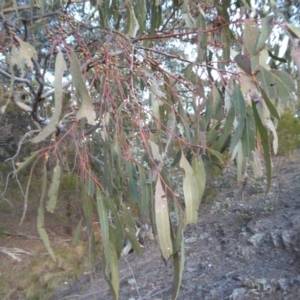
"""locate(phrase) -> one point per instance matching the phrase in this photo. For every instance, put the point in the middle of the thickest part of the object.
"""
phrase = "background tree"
(140, 98)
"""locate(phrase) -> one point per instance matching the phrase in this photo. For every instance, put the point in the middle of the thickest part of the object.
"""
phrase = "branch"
(83, 68)
(16, 79)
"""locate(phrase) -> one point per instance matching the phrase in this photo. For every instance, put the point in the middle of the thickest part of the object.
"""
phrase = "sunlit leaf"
(132, 22)
(266, 79)
(214, 105)
(270, 104)
(104, 222)
(117, 228)
(294, 30)
(226, 131)
(156, 16)
(162, 220)
(22, 56)
(129, 229)
(53, 189)
(265, 31)
(251, 33)
(28, 160)
(200, 175)
(179, 261)
(90, 184)
(284, 85)
(40, 218)
(86, 109)
(60, 67)
(240, 113)
(248, 136)
(190, 192)
(265, 144)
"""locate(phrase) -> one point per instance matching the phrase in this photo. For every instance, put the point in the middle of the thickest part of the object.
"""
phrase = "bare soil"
(246, 245)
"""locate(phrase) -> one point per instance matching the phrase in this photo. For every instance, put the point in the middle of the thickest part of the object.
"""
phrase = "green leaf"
(141, 13)
(187, 16)
(238, 102)
(77, 233)
(226, 41)
(114, 261)
(145, 194)
(155, 151)
(267, 82)
(214, 105)
(251, 33)
(40, 219)
(130, 230)
(270, 104)
(265, 144)
(284, 85)
(162, 220)
(23, 165)
(104, 222)
(248, 136)
(88, 211)
(132, 181)
(190, 192)
(156, 16)
(179, 261)
(294, 30)
(226, 131)
(90, 184)
(132, 22)
(86, 109)
(23, 56)
(60, 67)
(117, 228)
(265, 31)
(111, 272)
(240, 113)
(54, 187)
(200, 175)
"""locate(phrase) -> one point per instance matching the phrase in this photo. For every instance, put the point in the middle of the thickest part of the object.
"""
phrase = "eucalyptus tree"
(146, 93)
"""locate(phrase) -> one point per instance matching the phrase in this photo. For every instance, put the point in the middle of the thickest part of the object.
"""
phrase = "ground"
(246, 245)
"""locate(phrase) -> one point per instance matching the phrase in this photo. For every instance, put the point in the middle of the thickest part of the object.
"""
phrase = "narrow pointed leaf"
(285, 86)
(179, 261)
(226, 132)
(265, 144)
(265, 31)
(60, 67)
(248, 137)
(28, 160)
(132, 22)
(132, 182)
(130, 230)
(251, 33)
(40, 218)
(200, 175)
(53, 189)
(104, 222)
(270, 104)
(145, 194)
(190, 192)
(86, 109)
(162, 221)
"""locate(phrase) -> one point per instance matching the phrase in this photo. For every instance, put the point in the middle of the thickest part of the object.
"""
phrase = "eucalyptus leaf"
(162, 221)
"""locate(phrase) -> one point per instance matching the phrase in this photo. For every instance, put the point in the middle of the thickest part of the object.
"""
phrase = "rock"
(191, 240)
(238, 294)
(256, 239)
